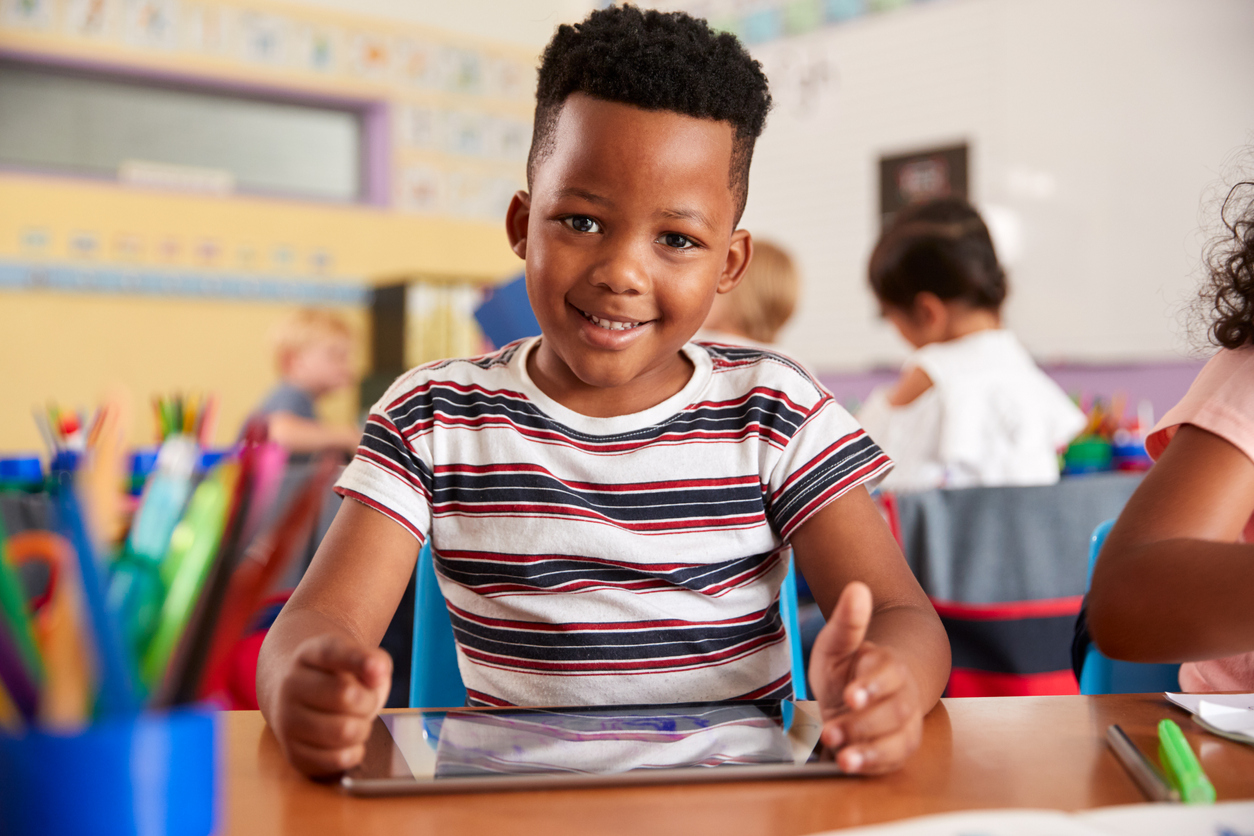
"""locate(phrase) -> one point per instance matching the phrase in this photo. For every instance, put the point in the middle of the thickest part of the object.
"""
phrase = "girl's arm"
(1172, 583)
(882, 660)
(321, 676)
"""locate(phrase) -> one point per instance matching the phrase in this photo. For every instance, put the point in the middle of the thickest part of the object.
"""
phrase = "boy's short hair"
(655, 61)
(942, 247)
(302, 328)
(767, 294)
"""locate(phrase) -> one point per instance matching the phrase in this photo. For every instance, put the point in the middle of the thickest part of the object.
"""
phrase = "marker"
(192, 551)
(117, 669)
(1181, 765)
(1144, 773)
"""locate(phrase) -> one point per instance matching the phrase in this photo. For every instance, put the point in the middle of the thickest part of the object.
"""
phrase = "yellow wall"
(72, 346)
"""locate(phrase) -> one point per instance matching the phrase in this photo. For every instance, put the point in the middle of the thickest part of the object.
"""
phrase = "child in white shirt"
(971, 407)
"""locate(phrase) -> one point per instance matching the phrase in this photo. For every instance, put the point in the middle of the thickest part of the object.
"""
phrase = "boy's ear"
(739, 254)
(516, 219)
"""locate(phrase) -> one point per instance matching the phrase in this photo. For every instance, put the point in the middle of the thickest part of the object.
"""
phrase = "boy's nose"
(623, 270)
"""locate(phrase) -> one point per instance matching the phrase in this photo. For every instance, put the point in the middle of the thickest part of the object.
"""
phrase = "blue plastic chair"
(435, 681)
(1101, 675)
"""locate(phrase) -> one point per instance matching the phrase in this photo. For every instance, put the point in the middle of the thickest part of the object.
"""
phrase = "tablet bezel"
(362, 781)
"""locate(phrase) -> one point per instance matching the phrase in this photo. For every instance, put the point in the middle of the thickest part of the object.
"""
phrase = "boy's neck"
(555, 379)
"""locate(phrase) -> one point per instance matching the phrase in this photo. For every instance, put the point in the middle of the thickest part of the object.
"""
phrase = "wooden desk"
(977, 753)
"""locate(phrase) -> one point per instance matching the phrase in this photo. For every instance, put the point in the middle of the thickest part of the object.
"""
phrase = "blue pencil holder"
(151, 774)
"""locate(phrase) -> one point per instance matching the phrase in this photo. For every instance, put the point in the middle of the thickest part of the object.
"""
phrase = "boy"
(610, 505)
(312, 350)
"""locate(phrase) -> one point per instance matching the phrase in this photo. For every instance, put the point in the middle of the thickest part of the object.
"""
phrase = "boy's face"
(627, 234)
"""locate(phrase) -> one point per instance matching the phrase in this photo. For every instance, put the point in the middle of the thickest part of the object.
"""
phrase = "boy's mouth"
(609, 324)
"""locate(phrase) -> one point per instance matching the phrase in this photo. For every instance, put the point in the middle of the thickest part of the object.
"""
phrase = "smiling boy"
(611, 506)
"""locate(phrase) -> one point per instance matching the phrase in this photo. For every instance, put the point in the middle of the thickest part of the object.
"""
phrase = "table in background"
(1043, 752)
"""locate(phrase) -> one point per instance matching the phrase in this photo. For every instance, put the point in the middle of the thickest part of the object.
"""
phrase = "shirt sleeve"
(392, 471)
(828, 456)
(1220, 401)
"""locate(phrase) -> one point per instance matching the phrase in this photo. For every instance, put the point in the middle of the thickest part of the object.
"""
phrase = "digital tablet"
(480, 749)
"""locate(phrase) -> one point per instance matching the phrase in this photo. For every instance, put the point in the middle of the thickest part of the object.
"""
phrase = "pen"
(1144, 773)
(1181, 765)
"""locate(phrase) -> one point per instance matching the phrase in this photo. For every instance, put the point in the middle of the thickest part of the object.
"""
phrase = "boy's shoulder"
(754, 367)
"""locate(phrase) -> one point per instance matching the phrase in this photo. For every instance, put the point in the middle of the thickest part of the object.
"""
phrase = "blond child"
(313, 353)
(754, 311)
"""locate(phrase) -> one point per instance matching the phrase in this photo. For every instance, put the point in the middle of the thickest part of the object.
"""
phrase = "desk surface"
(1045, 752)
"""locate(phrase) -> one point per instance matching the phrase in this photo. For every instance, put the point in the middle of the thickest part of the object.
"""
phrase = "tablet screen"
(436, 746)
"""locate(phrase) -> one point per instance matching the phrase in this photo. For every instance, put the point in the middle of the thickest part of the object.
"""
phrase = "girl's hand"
(869, 699)
(327, 703)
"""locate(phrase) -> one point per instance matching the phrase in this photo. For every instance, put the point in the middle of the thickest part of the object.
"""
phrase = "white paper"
(1226, 717)
(982, 823)
(1230, 819)
(1191, 702)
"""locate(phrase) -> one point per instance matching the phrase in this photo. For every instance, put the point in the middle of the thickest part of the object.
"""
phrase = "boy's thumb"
(846, 628)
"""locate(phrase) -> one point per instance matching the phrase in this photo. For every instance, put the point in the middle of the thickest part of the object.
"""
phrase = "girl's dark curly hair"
(1229, 290)
(656, 61)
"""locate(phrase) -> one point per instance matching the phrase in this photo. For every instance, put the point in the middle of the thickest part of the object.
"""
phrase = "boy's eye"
(582, 223)
(677, 241)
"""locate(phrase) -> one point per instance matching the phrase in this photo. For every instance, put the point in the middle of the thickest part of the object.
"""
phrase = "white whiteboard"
(1096, 127)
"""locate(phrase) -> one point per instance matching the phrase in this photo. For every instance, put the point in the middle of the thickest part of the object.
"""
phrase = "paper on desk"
(1190, 702)
(1231, 819)
(1231, 715)
(1234, 818)
(982, 823)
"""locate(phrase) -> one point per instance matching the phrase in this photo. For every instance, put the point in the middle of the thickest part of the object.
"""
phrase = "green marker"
(1181, 766)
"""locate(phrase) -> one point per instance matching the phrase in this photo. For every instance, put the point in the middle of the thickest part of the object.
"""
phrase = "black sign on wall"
(921, 175)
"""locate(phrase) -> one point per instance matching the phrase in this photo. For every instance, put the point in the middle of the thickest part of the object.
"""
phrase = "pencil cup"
(151, 774)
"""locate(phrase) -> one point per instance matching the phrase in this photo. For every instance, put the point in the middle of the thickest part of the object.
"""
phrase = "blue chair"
(435, 681)
(1101, 675)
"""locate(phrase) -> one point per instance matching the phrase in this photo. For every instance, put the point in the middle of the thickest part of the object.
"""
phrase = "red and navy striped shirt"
(625, 560)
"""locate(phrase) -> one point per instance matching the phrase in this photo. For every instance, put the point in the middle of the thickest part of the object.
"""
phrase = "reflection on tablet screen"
(601, 741)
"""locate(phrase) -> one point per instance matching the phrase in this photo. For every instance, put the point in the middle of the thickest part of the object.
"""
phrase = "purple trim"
(373, 113)
(376, 179)
(1163, 384)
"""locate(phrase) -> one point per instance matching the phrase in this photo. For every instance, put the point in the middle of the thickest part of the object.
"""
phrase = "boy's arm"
(302, 435)
(882, 660)
(321, 676)
(1173, 582)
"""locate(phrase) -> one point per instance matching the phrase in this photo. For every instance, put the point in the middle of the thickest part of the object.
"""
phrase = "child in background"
(971, 407)
(312, 349)
(608, 504)
(1173, 580)
(755, 310)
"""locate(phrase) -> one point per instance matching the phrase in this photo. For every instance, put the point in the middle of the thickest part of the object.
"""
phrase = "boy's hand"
(328, 701)
(872, 718)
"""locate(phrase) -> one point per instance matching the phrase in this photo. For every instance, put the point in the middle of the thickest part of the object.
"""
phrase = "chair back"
(435, 681)
(1101, 675)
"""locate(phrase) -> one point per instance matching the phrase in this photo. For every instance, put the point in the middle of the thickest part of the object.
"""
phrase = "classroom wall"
(1097, 129)
(104, 283)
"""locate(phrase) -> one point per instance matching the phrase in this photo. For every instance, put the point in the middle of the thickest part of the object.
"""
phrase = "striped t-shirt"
(633, 559)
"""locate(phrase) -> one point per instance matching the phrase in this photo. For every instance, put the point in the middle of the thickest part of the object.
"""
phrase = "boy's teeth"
(611, 325)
